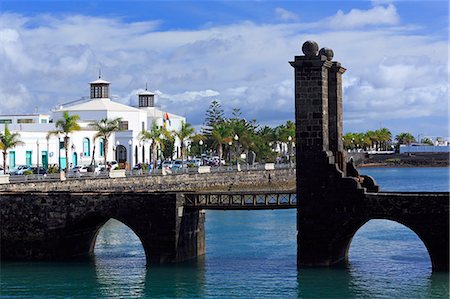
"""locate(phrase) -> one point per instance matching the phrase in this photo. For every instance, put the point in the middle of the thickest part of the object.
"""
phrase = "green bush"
(393, 160)
(27, 172)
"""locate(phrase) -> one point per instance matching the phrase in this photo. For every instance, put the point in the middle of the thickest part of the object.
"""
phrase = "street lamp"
(230, 143)
(130, 142)
(115, 150)
(59, 151)
(236, 137)
(141, 144)
(201, 150)
(37, 145)
(151, 152)
(290, 149)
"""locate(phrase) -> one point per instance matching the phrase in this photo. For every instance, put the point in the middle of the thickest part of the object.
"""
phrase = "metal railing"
(247, 200)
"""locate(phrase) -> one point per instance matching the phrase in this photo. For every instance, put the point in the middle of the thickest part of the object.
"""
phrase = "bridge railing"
(247, 200)
(140, 173)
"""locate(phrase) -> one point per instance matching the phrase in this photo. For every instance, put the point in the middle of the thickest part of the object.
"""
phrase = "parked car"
(38, 170)
(167, 164)
(78, 169)
(215, 161)
(1, 170)
(18, 170)
(196, 162)
(99, 168)
(113, 165)
(177, 164)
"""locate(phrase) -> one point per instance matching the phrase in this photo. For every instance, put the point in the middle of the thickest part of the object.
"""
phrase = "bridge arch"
(392, 224)
(120, 229)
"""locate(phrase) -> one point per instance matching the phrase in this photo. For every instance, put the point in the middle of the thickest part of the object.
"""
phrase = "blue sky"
(191, 52)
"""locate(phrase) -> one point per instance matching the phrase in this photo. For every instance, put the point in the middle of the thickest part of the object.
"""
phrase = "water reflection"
(120, 262)
(388, 259)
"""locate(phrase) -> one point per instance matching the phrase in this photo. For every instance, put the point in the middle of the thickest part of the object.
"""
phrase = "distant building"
(421, 148)
(124, 146)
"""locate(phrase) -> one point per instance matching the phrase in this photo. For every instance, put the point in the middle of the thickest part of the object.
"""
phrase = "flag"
(166, 118)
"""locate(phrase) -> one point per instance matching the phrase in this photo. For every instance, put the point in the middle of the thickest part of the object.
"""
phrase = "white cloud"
(378, 15)
(285, 15)
(390, 74)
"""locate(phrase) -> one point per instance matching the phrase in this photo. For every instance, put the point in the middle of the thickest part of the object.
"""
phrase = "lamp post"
(230, 143)
(236, 138)
(130, 142)
(151, 153)
(201, 150)
(37, 145)
(143, 151)
(59, 151)
(115, 150)
(290, 149)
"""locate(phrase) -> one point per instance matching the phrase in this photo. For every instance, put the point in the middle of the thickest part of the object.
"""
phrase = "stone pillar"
(335, 109)
(311, 100)
(321, 239)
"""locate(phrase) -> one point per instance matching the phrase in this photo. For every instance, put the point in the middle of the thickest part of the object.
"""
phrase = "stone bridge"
(61, 220)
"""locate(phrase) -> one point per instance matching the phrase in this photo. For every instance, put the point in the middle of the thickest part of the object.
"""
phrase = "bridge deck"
(248, 200)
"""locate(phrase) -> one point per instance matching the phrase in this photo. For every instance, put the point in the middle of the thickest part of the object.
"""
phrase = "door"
(12, 160)
(44, 158)
(62, 163)
(74, 159)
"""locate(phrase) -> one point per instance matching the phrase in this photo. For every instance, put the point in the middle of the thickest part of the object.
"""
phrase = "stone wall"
(279, 179)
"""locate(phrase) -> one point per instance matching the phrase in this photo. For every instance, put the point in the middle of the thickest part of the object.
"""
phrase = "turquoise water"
(250, 254)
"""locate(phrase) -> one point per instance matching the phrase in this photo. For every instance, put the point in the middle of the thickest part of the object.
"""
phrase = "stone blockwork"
(278, 179)
(331, 205)
(64, 225)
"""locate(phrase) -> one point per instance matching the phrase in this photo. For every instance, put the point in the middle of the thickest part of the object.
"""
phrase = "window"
(44, 121)
(25, 121)
(61, 145)
(102, 150)
(123, 125)
(28, 157)
(86, 147)
(5, 121)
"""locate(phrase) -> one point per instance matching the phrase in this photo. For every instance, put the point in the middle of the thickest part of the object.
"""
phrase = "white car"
(78, 170)
(99, 168)
(19, 169)
(114, 165)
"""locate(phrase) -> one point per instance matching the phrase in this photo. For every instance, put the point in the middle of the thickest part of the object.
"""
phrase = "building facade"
(124, 146)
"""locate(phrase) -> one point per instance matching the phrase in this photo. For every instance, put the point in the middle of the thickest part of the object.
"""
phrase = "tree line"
(225, 137)
(379, 140)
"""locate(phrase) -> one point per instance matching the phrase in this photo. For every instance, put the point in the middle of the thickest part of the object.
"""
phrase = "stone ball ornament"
(310, 48)
(327, 52)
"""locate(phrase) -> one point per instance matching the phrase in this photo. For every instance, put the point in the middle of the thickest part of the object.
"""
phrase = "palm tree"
(185, 132)
(8, 140)
(385, 137)
(220, 131)
(65, 126)
(105, 128)
(153, 135)
(405, 138)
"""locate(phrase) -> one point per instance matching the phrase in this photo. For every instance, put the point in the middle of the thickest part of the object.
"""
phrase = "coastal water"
(250, 254)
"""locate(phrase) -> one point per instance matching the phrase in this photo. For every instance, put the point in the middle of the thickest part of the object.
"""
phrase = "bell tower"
(99, 88)
(146, 98)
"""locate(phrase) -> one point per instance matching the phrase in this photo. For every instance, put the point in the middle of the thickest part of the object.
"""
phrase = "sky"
(192, 52)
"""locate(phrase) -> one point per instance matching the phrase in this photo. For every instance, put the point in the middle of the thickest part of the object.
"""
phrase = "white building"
(124, 146)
